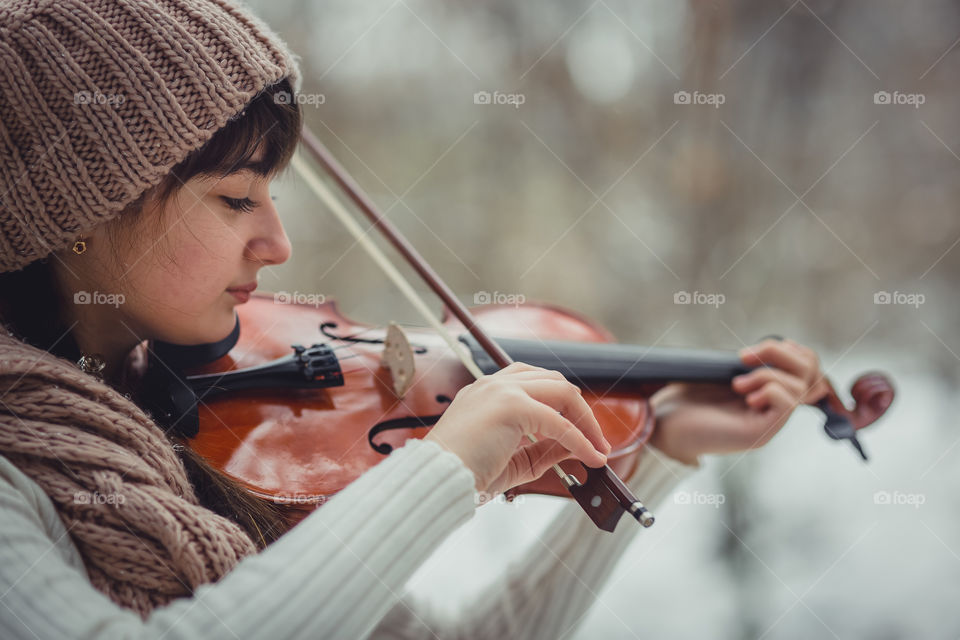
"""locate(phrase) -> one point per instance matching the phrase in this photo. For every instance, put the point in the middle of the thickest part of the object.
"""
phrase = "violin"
(299, 400)
(296, 424)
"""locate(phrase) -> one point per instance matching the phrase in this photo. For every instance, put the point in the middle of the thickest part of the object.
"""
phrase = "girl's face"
(216, 234)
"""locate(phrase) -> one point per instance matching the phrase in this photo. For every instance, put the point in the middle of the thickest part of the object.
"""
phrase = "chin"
(211, 327)
(224, 324)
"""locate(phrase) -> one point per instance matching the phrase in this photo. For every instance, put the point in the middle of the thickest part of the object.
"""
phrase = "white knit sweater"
(340, 573)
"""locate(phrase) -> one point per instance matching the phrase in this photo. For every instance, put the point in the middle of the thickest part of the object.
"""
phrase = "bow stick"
(603, 496)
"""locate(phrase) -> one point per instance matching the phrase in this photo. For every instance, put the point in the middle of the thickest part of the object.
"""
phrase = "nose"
(270, 244)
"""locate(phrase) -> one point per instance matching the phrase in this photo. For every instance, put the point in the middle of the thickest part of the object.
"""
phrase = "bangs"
(271, 121)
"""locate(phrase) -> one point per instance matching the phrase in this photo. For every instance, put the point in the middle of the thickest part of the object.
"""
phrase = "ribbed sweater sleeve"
(548, 592)
(335, 574)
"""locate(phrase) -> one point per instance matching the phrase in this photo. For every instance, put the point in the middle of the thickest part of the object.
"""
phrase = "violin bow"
(603, 495)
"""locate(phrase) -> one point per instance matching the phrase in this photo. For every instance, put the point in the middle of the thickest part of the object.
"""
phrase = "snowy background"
(797, 158)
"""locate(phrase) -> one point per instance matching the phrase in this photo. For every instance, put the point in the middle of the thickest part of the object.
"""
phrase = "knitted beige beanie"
(100, 99)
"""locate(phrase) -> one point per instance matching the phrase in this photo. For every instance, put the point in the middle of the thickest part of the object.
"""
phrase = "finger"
(528, 463)
(544, 374)
(540, 374)
(560, 395)
(533, 460)
(524, 371)
(553, 425)
(777, 407)
(772, 396)
(776, 354)
(749, 382)
(807, 352)
(517, 367)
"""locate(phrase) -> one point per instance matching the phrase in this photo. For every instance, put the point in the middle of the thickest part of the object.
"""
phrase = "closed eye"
(245, 205)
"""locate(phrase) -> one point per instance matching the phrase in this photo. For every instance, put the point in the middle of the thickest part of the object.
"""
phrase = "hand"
(487, 422)
(694, 419)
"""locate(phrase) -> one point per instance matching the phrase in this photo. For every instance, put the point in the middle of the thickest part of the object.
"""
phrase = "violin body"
(298, 444)
(301, 446)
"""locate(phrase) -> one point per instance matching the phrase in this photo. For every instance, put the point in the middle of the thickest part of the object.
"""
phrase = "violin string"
(346, 371)
(352, 335)
(348, 338)
(376, 328)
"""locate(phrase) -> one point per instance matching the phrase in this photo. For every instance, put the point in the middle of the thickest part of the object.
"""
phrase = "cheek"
(189, 281)
(197, 269)
(180, 291)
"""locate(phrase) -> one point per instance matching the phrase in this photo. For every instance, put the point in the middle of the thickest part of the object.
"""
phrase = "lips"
(245, 288)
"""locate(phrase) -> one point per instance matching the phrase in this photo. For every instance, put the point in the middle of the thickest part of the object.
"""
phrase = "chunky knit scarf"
(113, 476)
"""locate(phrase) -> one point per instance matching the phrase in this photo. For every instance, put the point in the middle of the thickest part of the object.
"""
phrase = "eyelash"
(246, 205)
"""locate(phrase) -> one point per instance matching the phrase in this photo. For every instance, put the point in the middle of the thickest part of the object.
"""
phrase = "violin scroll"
(872, 396)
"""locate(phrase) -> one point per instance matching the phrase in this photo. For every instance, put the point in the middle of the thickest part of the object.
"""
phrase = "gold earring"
(79, 246)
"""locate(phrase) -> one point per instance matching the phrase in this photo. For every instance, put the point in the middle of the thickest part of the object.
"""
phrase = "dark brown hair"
(30, 305)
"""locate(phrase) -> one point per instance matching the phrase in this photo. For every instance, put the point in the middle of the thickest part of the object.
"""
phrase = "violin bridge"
(398, 359)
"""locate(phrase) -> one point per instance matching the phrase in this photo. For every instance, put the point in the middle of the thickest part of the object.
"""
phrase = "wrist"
(664, 438)
(430, 437)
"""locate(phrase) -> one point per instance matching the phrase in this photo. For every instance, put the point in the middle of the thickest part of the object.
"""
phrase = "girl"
(138, 143)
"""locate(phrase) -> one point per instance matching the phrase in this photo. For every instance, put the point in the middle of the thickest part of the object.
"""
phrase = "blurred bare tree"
(795, 161)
